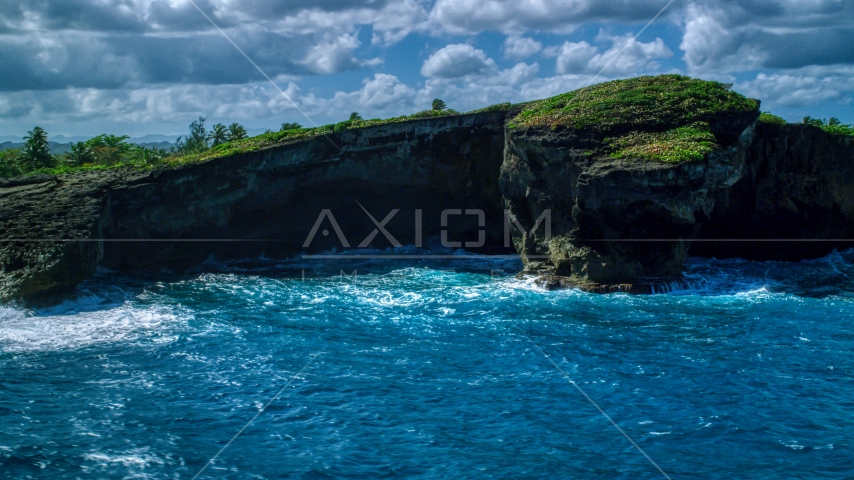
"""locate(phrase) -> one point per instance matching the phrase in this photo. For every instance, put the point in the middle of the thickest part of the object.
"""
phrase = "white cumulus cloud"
(457, 61)
(626, 56)
(515, 16)
(723, 37)
(382, 93)
(335, 56)
(573, 57)
(97, 64)
(519, 48)
(802, 87)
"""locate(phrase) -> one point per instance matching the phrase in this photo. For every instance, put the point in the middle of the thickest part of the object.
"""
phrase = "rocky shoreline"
(616, 224)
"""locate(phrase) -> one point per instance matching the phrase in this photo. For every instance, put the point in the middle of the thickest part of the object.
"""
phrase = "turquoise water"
(429, 370)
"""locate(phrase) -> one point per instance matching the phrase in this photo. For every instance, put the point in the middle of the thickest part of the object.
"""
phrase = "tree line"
(834, 125)
(112, 149)
(200, 139)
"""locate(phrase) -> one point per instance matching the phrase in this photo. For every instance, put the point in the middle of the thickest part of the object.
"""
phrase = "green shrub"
(839, 129)
(691, 142)
(499, 107)
(9, 165)
(772, 119)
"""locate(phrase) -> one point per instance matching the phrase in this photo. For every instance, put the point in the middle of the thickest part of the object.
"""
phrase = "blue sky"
(137, 67)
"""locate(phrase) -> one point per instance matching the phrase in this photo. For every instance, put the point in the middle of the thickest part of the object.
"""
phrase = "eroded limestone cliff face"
(613, 221)
(37, 210)
(57, 230)
(798, 184)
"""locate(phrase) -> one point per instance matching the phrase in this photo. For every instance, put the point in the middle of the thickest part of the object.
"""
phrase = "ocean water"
(432, 369)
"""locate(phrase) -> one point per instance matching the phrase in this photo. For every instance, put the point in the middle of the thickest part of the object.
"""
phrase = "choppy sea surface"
(433, 369)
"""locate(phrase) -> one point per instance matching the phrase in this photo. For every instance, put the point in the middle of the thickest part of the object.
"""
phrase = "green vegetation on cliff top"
(643, 103)
(832, 126)
(766, 117)
(270, 139)
(663, 118)
(290, 133)
(691, 142)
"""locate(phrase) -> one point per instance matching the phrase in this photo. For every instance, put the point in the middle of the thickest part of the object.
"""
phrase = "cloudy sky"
(85, 67)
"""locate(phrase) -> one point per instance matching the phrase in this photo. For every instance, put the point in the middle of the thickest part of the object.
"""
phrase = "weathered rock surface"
(613, 221)
(260, 202)
(34, 212)
(798, 184)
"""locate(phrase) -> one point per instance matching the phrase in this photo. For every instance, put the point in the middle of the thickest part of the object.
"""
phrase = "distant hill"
(161, 145)
(149, 139)
(55, 147)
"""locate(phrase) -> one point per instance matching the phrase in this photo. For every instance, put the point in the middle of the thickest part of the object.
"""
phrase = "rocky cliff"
(626, 193)
(798, 185)
(57, 230)
(614, 222)
(607, 189)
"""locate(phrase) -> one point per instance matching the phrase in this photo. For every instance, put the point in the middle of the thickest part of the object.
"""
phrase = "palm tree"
(355, 117)
(37, 136)
(114, 141)
(80, 153)
(236, 132)
(290, 126)
(218, 135)
(36, 151)
(816, 122)
(439, 105)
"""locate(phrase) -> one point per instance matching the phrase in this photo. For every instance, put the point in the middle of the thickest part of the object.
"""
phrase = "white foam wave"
(134, 462)
(527, 283)
(758, 292)
(22, 332)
